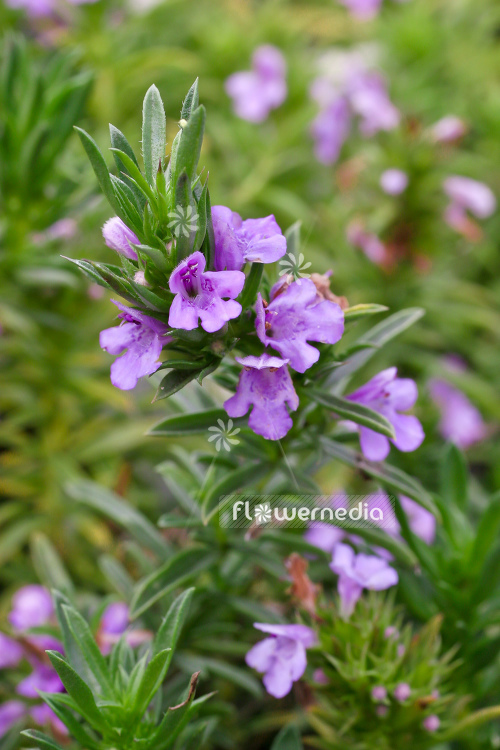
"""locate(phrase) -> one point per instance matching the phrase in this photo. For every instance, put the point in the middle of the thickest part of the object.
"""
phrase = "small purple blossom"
(391, 632)
(282, 657)
(31, 607)
(265, 384)
(258, 91)
(43, 678)
(402, 692)
(431, 723)
(379, 693)
(358, 572)
(330, 129)
(363, 10)
(10, 713)
(370, 244)
(115, 618)
(200, 294)
(119, 237)
(326, 535)
(34, 8)
(143, 338)
(388, 395)
(421, 521)
(238, 241)
(394, 181)
(369, 99)
(448, 129)
(467, 195)
(296, 316)
(11, 652)
(461, 423)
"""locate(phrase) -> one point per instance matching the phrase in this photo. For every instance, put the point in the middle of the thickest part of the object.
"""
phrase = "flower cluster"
(255, 93)
(32, 608)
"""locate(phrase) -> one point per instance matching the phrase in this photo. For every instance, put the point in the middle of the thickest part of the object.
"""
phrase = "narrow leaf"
(153, 133)
(171, 627)
(99, 166)
(355, 412)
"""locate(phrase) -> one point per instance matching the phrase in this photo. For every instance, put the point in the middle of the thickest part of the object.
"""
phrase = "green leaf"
(180, 568)
(186, 209)
(153, 133)
(151, 682)
(486, 536)
(155, 255)
(378, 336)
(68, 719)
(175, 381)
(44, 742)
(388, 475)
(356, 412)
(362, 311)
(136, 176)
(236, 675)
(232, 481)
(114, 507)
(119, 142)
(49, 566)
(174, 720)
(202, 219)
(196, 423)
(88, 647)
(471, 721)
(287, 739)
(190, 102)
(100, 168)
(71, 646)
(79, 691)
(170, 629)
(252, 284)
(292, 235)
(454, 478)
(189, 145)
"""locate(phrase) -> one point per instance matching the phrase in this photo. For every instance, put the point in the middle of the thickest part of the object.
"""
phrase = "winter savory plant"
(207, 298)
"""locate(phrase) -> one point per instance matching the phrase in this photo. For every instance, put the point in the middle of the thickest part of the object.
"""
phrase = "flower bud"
(119, 237)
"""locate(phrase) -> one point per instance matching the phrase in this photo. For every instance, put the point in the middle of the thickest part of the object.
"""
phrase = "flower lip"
(263, 362)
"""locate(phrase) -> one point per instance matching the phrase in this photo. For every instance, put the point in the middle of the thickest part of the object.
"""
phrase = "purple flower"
(461, 422)
(119, 237)
(431, 723)
(358, 572)
(369, 99)
(11, 652)
(402, 692)
(448, 129)
(296, 316)
(115, 618)
(43, 678)
(143, 338)
(34, 8)
(363, 9)
(31, 607)
(200, 293)
(10, 713)
(238, 241)
(43, 716)
(467, 195)
(258, 91)
(372, 247)
(379, 693)
(420, 520)
(394, 181)
(330, 129)
(265, 384)
(388, 395)
(282, 657)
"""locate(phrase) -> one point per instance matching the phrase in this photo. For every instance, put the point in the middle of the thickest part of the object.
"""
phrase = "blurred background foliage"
(60, 417)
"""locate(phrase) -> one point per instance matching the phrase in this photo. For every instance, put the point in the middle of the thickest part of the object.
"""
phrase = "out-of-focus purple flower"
(282, 657)
(358, 572)
(362, 9)
(31, 607)
(402, 692)
(394, 181)
(296, 316)
(238, 241)
(372, 247)
(43, 678)
(320, 677)
(44, 716)
(391, 632)
(265, 384)
(420, 520)
(388, 395)
(382, 711)
(379, 693)
(431, 723)
(34, 8)
(330, 129)
(325, 535)
(115, 618)
(448, 129)
(258, 91)
(143, 338)
(200, 294)
(10, 713)
(369, 99)
(11, 652)
(467, 195)
(461, 423)
(119, 237)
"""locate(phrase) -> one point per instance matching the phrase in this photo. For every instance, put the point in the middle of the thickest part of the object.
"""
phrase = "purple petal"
(11, 652)
(375, 447)
(300, 633)
(403, 393)
(183, 314)
(10, 713)
(409, 432)
(349, 592)
(471, 194)
(260, 657)
(31, 607)
(343, 559)
(278, 679)
(115, 618)
(119, 237)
